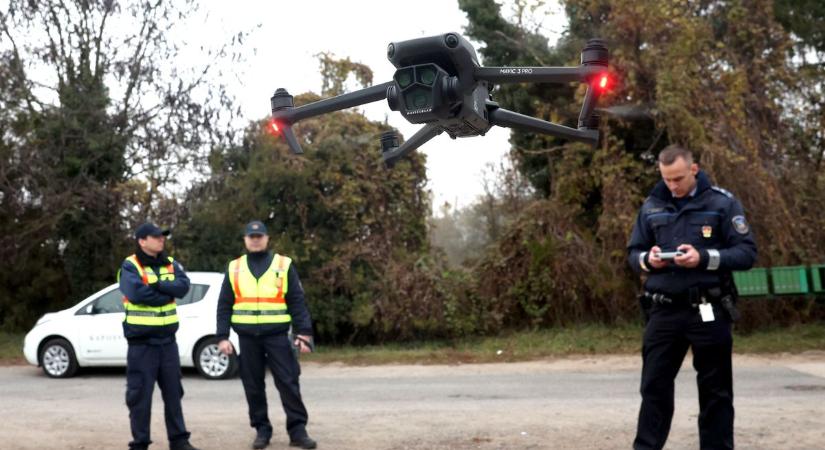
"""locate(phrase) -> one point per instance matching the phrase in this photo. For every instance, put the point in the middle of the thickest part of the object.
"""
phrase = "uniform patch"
(707, 231)
(654, 210)
(740, 224)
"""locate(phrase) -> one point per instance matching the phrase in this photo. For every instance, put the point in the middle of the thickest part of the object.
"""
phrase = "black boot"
(303, 442)
(181, 445)
(260, 441)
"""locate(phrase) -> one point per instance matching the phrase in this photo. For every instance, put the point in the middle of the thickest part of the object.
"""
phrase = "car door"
(195, 322)
(102, 338)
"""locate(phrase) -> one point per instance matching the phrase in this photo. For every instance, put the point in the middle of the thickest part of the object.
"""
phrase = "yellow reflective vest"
(155, 316)
(259, 301)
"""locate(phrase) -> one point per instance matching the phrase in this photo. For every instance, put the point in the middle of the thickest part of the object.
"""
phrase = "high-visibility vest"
(154, 316)
(260, 301)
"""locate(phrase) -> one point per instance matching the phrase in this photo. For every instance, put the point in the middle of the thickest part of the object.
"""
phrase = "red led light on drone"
(273, 127)
(603, 82)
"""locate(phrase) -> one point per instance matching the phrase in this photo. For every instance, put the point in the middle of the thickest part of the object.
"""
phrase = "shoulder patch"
(740, 224)
(724, 192)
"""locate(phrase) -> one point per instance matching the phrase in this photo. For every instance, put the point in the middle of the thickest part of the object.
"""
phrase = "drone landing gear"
(506, 118)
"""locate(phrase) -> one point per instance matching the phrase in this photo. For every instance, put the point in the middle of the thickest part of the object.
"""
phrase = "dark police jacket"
(155, 294)
(713, 221)
(259, 262)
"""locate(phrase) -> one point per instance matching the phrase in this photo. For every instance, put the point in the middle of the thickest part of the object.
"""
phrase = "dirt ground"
(570, 403)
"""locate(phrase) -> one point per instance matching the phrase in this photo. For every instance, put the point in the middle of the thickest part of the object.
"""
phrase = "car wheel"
(213, 364)
(57, 359)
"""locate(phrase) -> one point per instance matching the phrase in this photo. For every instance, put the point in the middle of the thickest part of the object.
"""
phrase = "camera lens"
(404, 78)
(451, 40)
(426, 75)
(417, 98)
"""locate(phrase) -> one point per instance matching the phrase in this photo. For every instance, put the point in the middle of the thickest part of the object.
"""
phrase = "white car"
(91, 333)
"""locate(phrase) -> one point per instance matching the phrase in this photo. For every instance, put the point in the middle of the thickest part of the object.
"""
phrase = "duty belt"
(694, 297)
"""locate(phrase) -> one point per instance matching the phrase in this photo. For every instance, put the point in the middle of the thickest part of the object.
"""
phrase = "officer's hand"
(653, 257)
(226, 347)
(689, 259)
(301, 342)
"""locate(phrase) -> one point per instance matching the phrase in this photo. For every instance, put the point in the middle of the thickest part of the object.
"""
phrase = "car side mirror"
(90, 308)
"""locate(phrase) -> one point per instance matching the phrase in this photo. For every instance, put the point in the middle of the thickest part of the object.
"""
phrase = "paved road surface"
(560, 404)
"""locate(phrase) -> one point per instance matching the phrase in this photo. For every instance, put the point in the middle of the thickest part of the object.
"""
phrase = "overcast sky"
(281, 53)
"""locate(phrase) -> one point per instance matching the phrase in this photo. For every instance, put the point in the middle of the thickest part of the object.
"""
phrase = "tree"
(355, 229)
(96, 119)
(718, 77)
(464, 234)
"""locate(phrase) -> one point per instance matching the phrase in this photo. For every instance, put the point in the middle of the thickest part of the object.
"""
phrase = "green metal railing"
(788, 280)
(754, 282)
(818, 278)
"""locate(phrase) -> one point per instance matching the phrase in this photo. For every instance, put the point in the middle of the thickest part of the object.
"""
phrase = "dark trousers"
(274, 351)
(146, 364)
(668, 334)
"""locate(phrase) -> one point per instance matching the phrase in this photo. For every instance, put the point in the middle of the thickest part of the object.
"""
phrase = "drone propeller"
(440, 84)
(629, 112)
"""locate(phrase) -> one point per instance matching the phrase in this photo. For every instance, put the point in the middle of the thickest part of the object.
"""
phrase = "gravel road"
(571, 403)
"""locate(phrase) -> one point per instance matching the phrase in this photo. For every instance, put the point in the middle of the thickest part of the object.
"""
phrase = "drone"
(439, 83)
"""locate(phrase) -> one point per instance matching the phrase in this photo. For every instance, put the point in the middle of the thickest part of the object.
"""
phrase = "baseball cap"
(255, 227)
(149, 229)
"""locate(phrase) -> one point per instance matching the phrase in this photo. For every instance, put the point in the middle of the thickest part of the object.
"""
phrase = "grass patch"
(518, 346)
(507, 347)
(554, 343)
(11, 348)
(793, 339)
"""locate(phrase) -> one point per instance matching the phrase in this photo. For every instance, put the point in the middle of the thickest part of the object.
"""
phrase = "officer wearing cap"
(150, 280)
(261, 298)
(688, 296)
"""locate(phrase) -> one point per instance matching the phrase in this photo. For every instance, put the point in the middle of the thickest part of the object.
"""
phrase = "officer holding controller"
(688, 238)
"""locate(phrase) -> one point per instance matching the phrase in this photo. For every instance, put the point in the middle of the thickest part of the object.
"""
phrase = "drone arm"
(417, 140)
(343, 101)
(284, 114)
(510, 119)
(538, 74)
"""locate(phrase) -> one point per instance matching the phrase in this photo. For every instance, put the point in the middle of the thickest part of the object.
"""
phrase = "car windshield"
(195, 294)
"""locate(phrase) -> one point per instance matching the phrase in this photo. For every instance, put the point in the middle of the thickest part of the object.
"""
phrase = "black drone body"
(440, 84)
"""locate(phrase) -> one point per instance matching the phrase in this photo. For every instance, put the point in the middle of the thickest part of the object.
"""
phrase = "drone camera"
(422, 93)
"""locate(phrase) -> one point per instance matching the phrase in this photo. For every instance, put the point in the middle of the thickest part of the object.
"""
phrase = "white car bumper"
(30, 344)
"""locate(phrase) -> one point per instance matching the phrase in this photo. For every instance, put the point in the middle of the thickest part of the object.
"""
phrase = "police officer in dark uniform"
(150, 280)
(262, 297)
(688, 296)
